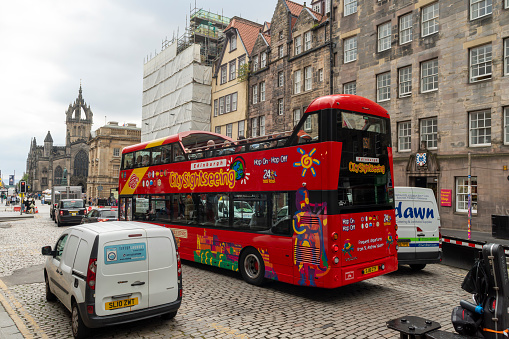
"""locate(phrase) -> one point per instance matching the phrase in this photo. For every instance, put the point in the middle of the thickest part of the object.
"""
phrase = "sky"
(47, 47)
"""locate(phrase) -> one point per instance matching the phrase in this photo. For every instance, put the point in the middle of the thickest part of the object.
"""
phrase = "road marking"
(17, 320)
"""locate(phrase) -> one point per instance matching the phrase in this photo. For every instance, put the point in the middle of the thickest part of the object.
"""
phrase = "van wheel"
(169, 316)
(49, 295)
(79, 330)
(417, 267)
(59, 223)
(252, 267)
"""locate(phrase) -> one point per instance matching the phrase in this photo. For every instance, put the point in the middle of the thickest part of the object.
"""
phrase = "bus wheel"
(252, 267)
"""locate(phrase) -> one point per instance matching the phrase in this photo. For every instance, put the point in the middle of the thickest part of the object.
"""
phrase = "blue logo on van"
(416, 212)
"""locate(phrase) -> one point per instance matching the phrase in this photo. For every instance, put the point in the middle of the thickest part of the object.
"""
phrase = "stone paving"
(219, 304)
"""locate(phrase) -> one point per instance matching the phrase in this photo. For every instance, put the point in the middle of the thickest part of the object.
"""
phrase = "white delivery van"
(419, 237)
(115, 272)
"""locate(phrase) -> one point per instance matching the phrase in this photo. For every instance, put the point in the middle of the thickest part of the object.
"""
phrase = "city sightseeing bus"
(313, 207)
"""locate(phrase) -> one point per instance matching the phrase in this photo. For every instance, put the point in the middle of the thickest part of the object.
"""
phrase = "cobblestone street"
(219, 304)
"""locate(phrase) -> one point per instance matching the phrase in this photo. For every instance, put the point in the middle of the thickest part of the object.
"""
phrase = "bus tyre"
(49, 295)
(252, 267)
(79, 330)
(417, 267)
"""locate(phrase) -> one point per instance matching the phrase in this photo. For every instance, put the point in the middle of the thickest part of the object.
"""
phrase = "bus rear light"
(91, 273)
(335, 248)
(335, 236)
(336, 260)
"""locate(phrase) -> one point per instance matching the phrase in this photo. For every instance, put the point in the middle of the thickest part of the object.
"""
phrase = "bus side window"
(178, 154)
(165, 154)
(156, 156)
(281, 218)
(128, 160)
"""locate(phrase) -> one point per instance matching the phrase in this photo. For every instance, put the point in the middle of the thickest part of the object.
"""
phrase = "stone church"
(51, 165)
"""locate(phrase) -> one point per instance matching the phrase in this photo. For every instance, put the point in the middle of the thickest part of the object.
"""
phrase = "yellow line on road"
(17, 320)
(227, 330)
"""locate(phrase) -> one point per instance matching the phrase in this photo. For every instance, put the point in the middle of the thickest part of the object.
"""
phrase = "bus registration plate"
(113, 305)
(370, 270)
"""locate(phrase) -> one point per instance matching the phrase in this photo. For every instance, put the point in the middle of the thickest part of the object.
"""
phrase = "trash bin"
(500, 226)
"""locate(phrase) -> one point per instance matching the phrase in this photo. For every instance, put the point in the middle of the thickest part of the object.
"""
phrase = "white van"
(115, 272)
(419, 237)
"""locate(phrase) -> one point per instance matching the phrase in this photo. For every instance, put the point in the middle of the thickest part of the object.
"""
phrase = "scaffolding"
(206, 29)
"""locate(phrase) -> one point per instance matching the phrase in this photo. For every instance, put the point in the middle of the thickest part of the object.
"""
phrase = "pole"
(331, 53)
(469, 194)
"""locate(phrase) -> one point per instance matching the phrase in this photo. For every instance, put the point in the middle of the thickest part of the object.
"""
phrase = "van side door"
(163, 286)
(53, 269)
(65, 268)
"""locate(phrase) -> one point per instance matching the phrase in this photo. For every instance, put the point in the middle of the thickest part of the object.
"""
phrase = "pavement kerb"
(16, 320)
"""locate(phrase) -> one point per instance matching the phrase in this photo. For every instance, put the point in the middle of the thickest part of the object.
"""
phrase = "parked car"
(69, 211)
(100, 215)
(105, 276)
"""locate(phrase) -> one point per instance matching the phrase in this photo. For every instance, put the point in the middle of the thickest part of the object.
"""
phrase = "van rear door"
(406, 222)
(122, 283)
(427, 222)
(163, 278)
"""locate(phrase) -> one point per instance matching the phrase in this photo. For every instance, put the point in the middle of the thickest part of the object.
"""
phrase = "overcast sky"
(47, 46)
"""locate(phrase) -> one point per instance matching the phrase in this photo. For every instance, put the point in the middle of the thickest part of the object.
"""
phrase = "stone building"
(47, 164)
(105, 154)
(229, 81)
(441, 69)
(289, 68)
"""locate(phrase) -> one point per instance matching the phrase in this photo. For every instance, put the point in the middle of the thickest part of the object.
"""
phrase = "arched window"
(74, 131)
(58, 176)
(81, 164)
(44, 170)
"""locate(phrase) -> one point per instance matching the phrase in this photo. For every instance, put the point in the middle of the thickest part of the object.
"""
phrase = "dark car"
(99, 215)
(69, 211)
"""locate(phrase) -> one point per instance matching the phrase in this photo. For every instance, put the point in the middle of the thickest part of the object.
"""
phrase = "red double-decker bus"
(311, 207)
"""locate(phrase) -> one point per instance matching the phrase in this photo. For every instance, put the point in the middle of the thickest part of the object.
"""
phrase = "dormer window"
(233, 42)
(317, 8)
(263, 61)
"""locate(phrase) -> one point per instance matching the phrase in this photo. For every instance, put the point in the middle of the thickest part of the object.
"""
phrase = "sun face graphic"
(307, 161)
(239, 166)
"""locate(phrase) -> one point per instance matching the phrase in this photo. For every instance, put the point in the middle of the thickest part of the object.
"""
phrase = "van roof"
(112, 226)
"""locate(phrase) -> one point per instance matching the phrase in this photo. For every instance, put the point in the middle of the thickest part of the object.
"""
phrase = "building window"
(281, 51)
(255, 94)
(296, 116)
(116, 152)
(254, 127)
(506, 125)
(262, 91)
(480, 63)
(255, 63)
(263, 62)
(350, 49)
(242, 61)
(320, 74)
(233, 69)
(480, 8)
(383, 87)
(429, 19)
(241, 128)
(234, 101)
(216, 107)
(405, 81)
(44, 182)
(429, 76)
(317, 8)
(262, 126)
(350, 88)
(480, 128)
(223, 74)
(233, 42)
(307, 41)
(218, 129)
(506, 55)
(384, 36)
(308, 124)
(308, 78)
(350, 7)
(228, 104)
(429, 132)
(298, 45)
(506, 3)
(404, 136)
(462, 194)
(280, 35)
(405, 29)
(229, 128)
(221, 105)
(281, 79)
(280, 106)
(296, 82)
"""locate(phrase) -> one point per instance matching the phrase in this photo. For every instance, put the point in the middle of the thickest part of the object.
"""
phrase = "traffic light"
(23, 186)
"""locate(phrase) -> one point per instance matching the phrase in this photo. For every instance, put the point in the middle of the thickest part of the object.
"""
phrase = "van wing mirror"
(46, 250)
